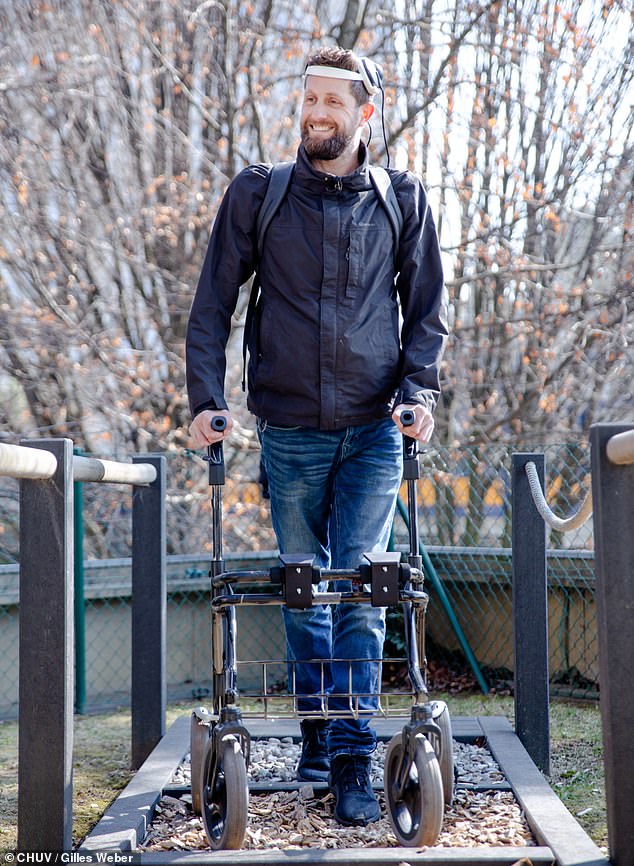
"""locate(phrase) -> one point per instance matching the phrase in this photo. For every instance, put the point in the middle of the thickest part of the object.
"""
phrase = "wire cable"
(562, 524)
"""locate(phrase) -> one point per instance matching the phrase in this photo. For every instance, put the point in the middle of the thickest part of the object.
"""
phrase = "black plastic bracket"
(298, 580)
(384, 578)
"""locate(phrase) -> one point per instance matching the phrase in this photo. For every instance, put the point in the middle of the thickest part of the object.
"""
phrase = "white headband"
(347, 74)
(333, 72)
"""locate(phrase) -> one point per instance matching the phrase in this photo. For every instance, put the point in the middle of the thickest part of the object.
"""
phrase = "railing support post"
(149, 613)
(530, 615)
(612, 496)
(45, 739)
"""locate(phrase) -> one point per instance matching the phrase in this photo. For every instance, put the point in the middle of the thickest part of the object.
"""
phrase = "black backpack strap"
(382, 184)
(279, 181)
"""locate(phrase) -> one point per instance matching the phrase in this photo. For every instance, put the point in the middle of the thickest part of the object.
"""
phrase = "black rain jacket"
(330, 345)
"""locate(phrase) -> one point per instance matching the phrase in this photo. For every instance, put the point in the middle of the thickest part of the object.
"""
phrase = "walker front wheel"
(225, 794)
(413, 792)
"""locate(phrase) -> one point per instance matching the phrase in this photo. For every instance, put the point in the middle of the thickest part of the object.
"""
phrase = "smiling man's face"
(331, 118)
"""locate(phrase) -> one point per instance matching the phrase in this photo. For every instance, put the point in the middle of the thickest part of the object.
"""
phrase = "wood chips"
(303, 818)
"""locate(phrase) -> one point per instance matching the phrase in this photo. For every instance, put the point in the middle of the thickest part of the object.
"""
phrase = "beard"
(325, 148)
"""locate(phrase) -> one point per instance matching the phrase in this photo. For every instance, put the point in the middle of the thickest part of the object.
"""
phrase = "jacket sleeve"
(421, 290)
(229, 262)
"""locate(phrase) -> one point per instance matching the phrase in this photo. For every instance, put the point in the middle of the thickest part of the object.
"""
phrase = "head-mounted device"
(370, 74)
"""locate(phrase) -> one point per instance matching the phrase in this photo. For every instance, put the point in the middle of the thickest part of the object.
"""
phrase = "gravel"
(303, 818)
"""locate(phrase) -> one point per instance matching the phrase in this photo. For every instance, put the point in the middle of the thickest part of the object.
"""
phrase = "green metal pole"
(80, 605)
(431, 572)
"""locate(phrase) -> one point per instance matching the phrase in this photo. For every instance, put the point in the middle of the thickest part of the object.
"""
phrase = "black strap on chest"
(280, 179)
(279, 182)
(382, 183)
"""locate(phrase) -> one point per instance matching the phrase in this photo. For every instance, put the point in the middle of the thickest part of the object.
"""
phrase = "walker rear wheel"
(199, 733)
(413, 792)
(446, 755)
(225, 797)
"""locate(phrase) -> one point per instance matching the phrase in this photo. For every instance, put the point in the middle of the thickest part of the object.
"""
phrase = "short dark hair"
(342, 58)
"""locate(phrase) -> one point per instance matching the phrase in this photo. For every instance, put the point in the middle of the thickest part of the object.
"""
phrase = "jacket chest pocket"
(368, 252)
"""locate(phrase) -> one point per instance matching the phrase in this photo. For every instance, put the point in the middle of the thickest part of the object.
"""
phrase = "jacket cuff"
(422, 398)
(210, 404)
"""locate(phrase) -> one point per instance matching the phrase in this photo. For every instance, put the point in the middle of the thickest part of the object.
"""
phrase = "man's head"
(337, 102)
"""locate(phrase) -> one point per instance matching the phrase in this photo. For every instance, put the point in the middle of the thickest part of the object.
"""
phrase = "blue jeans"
(333, 494)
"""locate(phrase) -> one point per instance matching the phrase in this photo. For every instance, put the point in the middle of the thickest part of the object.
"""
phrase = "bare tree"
(122, 123)
(535, 143)
(121, 126)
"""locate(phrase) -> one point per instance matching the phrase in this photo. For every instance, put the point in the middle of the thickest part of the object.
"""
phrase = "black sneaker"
(350, 783)
(314, 763)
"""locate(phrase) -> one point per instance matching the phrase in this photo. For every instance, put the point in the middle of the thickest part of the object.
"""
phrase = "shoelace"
(316, 738)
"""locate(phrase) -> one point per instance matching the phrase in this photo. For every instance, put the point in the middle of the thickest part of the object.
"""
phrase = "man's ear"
(367, 110)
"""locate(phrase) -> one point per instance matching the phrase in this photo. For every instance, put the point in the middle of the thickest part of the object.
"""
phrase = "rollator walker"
(418, 776)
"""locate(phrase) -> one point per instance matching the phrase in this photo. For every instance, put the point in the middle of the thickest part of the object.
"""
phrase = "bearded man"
(349, 331)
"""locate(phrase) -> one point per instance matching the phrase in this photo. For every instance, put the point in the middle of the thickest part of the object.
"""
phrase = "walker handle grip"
(215, 456)
(411, 469)
(408, 416)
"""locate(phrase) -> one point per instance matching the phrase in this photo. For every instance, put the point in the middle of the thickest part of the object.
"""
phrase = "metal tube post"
(411, 474)
(216, 464)
(613, 498)
(149, 612)
(530, 615)
(45, 817)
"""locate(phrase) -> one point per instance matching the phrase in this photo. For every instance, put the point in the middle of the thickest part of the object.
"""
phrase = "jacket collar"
(321, 182)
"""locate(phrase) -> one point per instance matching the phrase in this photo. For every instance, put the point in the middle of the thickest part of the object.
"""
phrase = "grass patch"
(101, 768)
(102, 760)
(8, 785)
(577, 766)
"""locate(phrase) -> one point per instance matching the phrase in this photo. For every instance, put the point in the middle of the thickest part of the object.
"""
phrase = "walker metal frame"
(418, 774)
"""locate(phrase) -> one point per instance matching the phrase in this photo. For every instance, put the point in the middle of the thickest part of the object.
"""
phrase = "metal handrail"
(18, 461)
(93, 469)
(21, 461)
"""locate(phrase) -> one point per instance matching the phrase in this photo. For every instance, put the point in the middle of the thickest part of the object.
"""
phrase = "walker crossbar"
(362, 575)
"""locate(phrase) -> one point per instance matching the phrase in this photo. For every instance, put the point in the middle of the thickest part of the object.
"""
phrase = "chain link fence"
(466, 528)
(465, 521)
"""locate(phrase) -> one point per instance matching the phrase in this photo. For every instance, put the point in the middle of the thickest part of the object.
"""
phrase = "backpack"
(279, 182)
